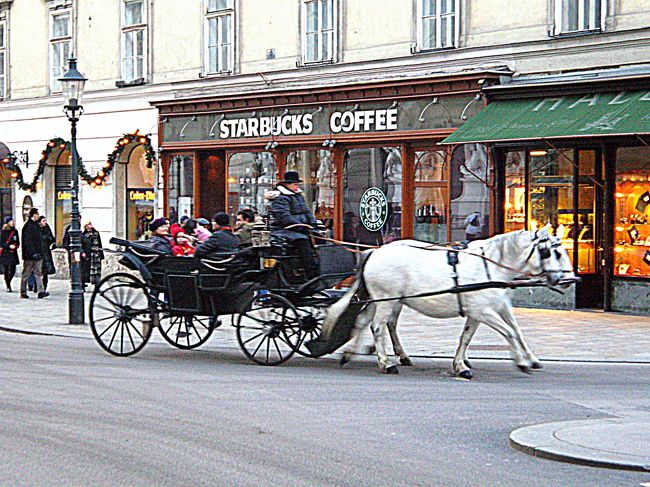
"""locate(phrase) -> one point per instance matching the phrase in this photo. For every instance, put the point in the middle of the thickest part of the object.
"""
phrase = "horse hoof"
(524, 368)
(467, 364)
(406, 361)
(392, 370)
(466, 374)
(343, 360)
(537, 365)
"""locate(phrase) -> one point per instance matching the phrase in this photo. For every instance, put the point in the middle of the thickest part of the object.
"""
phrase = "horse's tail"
(338, 309)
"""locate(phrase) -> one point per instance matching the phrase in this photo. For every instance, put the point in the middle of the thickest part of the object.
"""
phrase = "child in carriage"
(181, 244)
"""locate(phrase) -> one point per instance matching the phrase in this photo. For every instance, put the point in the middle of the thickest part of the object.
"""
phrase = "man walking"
(32, 255)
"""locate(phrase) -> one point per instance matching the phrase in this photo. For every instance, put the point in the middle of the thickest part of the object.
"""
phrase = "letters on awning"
(591, 115)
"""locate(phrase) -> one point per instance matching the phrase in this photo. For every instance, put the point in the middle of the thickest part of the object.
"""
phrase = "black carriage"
(273, 309)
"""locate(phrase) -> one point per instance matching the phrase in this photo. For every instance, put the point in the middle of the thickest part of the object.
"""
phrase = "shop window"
(562, 194)
(180, 184)
(3, 59)
(372, 195)
(63, 200)
(573, 16)
(632, 212)
(250, 176)
(140, 194)
(437, 24)
(431, 196)
(469, 191)
(134, 40)
(316, 170)
(60, 45)
(515, 200)
(319, 31)
(6, 193)
(219, 36)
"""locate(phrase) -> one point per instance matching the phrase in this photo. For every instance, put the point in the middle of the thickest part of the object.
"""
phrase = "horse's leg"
(461, 365)
(364, 318)
(509, 317)
(494, 320)
(404, 359)
(378, 327)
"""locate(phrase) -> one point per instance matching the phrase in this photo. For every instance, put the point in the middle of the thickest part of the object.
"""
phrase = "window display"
(515, 201)
(431, 196)
(250, 176)
(632, 213)
(140, 195)
(181, 187)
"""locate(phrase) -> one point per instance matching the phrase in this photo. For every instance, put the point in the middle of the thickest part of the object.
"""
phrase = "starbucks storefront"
(369, 156)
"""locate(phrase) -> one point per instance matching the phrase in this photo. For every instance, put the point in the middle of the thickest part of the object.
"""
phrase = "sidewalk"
(592, 336)
(552, 334)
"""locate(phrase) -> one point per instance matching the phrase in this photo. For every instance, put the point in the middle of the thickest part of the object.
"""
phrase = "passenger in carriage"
(180, 242)
(221, 242)
(292, 220)
(160, 235)
(245, 225)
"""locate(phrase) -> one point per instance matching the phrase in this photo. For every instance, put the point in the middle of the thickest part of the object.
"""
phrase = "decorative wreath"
(98, 179)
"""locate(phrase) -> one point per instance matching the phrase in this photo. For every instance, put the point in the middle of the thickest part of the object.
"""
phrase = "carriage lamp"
(72, 84)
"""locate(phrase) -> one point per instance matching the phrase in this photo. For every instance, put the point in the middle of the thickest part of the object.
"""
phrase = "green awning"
(594, 115)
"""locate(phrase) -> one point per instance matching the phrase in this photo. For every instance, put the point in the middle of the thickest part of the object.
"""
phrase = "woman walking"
(91, 265)
(9, 251)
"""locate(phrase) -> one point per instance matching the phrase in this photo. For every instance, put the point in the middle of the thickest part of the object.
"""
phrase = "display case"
(632, 231)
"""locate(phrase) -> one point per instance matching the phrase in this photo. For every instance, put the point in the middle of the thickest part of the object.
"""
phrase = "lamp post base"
(76, 309)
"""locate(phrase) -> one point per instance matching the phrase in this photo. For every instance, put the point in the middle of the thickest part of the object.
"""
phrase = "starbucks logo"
(373, 209)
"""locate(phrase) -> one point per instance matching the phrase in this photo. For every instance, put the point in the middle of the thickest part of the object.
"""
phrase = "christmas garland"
(98, 179)
(17, 174)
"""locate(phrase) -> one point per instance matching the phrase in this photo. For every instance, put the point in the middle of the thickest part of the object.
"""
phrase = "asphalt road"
(72, 415)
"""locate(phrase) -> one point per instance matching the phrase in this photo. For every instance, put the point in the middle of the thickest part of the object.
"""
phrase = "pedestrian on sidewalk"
(91, 266)
(47, 242)
(32, 255)
(9, 250)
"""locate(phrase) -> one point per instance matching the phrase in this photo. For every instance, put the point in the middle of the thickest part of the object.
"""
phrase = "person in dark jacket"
(32, 255)
(159, 240)
(292, 220)
(221, 242)
(47, 241)
(9, 242)
(91, 266)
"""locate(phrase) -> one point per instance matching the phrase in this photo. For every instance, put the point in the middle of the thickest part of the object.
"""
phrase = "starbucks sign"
(373, 209)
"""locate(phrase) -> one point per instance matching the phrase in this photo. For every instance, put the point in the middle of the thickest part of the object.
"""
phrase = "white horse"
(407, 268)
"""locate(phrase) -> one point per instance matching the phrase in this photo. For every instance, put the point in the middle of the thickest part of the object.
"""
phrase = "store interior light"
(538, 153)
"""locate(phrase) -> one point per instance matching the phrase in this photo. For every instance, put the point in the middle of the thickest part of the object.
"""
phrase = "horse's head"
(549, 258)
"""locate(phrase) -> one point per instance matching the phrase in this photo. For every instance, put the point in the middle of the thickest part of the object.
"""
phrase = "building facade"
(356, 95)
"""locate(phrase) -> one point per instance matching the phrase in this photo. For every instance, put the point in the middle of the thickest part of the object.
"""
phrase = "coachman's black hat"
(291, 177)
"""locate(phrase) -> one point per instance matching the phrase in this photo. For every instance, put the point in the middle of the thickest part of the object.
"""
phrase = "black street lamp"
(72, 84)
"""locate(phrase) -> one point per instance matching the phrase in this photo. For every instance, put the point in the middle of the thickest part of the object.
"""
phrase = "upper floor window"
(579, 15)
(319, 31)
(437, 25)
(134, 40)
(3, 60)
(219, 36)
(60, 45)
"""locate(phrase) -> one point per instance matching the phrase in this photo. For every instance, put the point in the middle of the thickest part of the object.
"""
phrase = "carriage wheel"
(311, 325)
(186, 331)
(121, 314)
(268, 330)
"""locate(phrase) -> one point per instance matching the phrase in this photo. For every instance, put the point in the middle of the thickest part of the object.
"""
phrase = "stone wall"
(109, 264)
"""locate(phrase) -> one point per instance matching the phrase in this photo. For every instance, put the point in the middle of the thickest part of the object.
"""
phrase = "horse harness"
(452, 260)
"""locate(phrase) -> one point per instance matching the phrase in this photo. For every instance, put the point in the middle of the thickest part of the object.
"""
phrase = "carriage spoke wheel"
(311, 326)
(268, 330)
(186, 331)
(121, 314)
